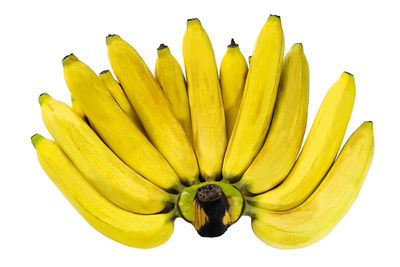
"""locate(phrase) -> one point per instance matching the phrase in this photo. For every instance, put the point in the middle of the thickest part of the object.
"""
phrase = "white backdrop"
(38, 227)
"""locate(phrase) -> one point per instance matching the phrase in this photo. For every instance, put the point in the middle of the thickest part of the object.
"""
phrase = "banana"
(318, 215)
(115, 128)
(288, 125)
(77, 108)
(169, 75)
(319, 151)
(205, 99)
(153, 109)
(233, 73)
(104, 170)
(119, 95)
(258, 101)
(135, 230)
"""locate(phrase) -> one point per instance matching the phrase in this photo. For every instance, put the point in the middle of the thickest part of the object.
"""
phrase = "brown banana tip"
(111, 37)
(162, 46)
(272, 15)
(233, 44)
(104, 71)
(192, 19)
(348, 73)
(67, 56)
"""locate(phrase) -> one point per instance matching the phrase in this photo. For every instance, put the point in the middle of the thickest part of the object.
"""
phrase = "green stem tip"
(35, 139)
(68, 59)
(43, 98)
(111, 37)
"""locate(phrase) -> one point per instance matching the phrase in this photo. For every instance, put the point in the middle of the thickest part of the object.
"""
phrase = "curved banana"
(233, 72)
(135, 230)
(119, 95)
(319, 151)
(153, 109)
(169, 75)
(115, 128)
(319, 214)
(104, 170)
(288, 125)
(258, 101)
(205, 99)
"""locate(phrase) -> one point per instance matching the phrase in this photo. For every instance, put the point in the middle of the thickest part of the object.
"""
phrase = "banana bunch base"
(135, 152)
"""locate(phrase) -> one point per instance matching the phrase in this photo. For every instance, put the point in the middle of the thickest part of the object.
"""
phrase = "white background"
(38, 227)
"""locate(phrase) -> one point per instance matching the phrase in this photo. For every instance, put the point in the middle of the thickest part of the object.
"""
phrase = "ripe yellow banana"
(233, 73)
(319, 151)
(104, 170)
(135, 230)
(169, 75)
(77, 108)
(258, 101)
(115, 128)
(205, 99)
(153, 109)
(119, 95)
(316, 217)
(288, 125)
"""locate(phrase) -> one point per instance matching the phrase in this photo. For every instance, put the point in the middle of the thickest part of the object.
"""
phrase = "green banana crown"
(136, 152)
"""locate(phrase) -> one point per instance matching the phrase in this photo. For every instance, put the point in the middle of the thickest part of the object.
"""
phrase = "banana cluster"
(135, 152)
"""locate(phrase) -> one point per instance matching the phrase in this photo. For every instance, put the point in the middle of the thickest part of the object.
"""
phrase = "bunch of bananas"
(135, 154)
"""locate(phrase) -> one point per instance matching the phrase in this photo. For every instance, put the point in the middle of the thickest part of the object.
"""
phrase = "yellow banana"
(233, 73)
(258, 101)
(316, 217)
(119, 95)
(115, 128)
(288, 125)
(205, 99)
(104, 170)
(153, 109)
(77, 108)
(319, 151)
(169, 75)
(135, 230)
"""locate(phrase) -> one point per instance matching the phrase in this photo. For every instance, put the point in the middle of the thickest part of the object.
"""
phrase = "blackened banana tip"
(348, 73)
(104, 71)
(233, 44)
(67, 56)
(162, 46)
